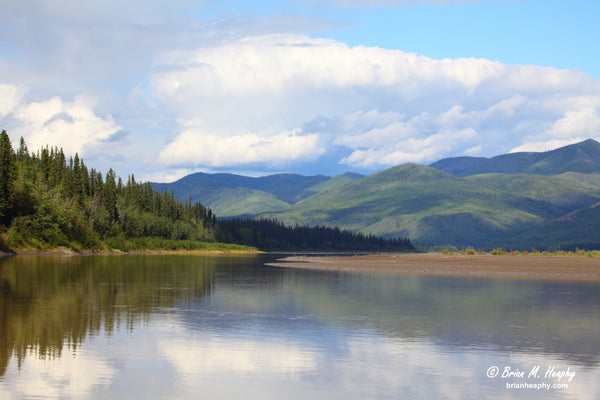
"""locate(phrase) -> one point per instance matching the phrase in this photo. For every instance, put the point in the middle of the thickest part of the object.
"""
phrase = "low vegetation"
(502, 252)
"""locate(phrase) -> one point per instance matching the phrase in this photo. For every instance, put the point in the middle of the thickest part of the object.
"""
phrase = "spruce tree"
(109, 194)
(7, 176)
(22, 153)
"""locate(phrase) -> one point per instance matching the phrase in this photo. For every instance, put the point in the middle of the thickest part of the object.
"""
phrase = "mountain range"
(542, 200)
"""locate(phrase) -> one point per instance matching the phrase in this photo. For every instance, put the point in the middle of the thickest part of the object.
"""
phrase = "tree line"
(274, 235)
(47, 201)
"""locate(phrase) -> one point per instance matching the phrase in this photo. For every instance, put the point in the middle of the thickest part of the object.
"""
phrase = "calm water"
(231, 327)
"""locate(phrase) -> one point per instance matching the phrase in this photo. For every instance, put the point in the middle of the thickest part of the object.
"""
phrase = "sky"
(162, 89)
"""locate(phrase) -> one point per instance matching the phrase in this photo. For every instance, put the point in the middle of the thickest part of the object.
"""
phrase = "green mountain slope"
(580, 157)
(335, 182)
(586, 179)
(289, 188)
(563, 193)
(420, 202)
(233, 202)
(578, 229)
(519, 200)
(230, 195)
(226, 199)
(198, 186)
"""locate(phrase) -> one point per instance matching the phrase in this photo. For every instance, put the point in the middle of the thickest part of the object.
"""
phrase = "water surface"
(231, 327)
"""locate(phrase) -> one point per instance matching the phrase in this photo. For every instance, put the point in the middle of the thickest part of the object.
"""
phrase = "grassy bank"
(503, 252)
(118, 245)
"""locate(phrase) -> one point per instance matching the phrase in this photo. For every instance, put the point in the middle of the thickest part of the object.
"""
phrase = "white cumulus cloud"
(193, 147)
(70, 125)
(304, 98)
(575, 125)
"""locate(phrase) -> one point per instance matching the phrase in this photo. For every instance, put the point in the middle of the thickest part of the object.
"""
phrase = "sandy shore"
(528, 267)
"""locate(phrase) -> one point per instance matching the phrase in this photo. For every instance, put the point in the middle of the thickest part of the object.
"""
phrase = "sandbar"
(528, 267)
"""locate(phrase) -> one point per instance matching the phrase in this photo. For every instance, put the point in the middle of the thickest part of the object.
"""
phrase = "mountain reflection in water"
(177, 326)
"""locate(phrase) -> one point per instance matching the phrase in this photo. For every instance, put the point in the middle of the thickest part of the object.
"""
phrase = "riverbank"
(63, 251)
(527, 267)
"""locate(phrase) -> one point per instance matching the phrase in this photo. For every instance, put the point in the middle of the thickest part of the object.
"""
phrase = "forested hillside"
(48, 201)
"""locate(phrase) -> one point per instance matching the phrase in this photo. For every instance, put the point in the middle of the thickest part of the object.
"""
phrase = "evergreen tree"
(75, 183)
(45, 164)
(7, 176)
(22, 153)
(109, 194)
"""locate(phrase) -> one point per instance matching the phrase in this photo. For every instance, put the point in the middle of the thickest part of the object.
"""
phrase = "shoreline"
(577, 268)
(65, 252)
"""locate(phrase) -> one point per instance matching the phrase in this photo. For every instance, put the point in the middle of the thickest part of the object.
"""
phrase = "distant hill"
(240, 201)
(520, 200)
(289, 188)
(237, 195)
(577, 229)
(561, 193)
(419, 202)
(335, 182)
(580, 157)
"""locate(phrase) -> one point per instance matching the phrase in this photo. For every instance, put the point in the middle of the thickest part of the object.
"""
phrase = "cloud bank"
(291, 97)
(168, 91)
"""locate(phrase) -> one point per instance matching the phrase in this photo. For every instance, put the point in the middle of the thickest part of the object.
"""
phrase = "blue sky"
(162, 89)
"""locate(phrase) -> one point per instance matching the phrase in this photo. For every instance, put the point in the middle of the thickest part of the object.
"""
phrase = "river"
(188, 327)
